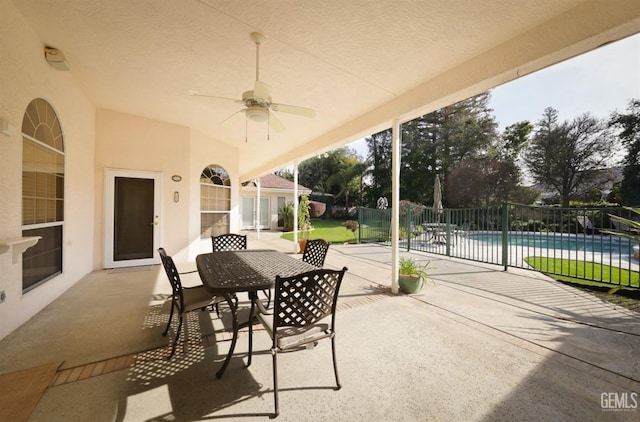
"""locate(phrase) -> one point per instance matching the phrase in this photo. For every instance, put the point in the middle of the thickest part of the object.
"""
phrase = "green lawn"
(330, 230)
(577, 271)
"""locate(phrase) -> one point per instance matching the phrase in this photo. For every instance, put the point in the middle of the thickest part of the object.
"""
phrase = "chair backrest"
(229, 242)
(315, 251)
(305, 298)
(174, 278)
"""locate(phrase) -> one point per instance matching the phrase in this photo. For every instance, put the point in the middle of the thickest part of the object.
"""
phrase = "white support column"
(395, 204)
(258, 211)
(295, 206)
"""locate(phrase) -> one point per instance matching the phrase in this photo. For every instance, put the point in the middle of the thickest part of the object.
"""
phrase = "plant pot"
(302, 243)
(410, 283)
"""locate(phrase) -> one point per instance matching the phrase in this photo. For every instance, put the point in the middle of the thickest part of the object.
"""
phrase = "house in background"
(275, 192)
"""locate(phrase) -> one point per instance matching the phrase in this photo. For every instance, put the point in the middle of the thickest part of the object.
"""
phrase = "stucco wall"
(129, 142)
(206, 151)
(25, 75)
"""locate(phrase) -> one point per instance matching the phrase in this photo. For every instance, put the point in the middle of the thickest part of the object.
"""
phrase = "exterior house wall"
(130, 142)
(94, 140)
(24, 76)
(206, 151)
(273, 196)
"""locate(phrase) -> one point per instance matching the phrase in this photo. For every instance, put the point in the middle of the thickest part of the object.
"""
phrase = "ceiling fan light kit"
(257, 114)
(257, 102)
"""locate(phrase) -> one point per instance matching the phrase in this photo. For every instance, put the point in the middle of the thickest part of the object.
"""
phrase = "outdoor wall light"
(56, 59)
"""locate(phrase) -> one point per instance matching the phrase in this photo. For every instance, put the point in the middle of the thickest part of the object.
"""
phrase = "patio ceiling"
(360, 64)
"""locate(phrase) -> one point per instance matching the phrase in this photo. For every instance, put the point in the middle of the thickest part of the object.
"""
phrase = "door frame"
(109, 203)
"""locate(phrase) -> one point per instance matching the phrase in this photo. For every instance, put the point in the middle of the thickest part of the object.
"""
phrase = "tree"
(512, 141)
(314, 172)
(432, 144)
(347, 179)
(482, 182)
(285, 174)
(379, 146)
(563, 155)
(629, 189)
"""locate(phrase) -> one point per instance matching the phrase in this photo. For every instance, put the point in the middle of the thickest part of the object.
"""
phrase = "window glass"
(42, 193)
(215, 201)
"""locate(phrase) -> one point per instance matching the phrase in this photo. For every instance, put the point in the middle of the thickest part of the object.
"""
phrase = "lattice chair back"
(174, 279)
(315, 252)
(304, 299)
(229, 242)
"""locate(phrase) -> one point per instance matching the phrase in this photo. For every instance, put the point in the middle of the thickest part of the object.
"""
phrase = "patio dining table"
(228, 272)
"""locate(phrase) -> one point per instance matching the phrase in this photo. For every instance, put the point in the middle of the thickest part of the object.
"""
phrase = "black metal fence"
(565, 242)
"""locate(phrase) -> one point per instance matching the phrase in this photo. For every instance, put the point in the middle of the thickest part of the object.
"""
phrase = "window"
(215, 201)
(42, 193)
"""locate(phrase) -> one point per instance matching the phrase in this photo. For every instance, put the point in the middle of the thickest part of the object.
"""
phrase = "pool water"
(595, 243)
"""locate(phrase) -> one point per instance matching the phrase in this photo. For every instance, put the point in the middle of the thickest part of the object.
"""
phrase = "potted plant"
(304, 221)
(304, 235)
(411, 275)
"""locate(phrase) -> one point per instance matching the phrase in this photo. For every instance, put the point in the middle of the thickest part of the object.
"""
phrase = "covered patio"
(113, 100)
(479, 344)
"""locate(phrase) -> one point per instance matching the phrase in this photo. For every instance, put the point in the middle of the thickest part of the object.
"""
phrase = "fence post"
(505, 228)
(407, 231)
(359, 223)
(447, 220)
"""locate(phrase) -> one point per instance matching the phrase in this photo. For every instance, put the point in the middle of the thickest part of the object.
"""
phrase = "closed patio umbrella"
(437, 197)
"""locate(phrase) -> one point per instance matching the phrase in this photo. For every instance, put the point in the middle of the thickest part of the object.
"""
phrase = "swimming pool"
(567, 242)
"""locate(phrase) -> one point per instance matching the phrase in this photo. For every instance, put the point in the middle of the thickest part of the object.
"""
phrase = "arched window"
(42, 192)
(215, 201)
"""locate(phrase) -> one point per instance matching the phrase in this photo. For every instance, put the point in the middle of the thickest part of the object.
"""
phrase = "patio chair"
(302, 306)
(234, 242)
(184, 299)
(229, 242)
(315, 252)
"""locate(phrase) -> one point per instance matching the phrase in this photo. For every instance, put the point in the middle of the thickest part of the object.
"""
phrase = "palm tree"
(347, 178)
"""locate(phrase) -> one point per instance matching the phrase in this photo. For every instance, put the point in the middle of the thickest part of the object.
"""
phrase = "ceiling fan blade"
(291, 109)
(261, 90)
(214, 97)
(275, 123)
(235, 116)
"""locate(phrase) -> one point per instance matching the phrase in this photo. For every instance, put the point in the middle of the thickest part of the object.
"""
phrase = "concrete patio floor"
(480, 344)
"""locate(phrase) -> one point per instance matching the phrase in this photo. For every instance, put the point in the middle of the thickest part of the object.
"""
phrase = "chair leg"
(267, 292)
(274, 353)
(175, 340)
(335, 363)
(253, 299)
(166, 330)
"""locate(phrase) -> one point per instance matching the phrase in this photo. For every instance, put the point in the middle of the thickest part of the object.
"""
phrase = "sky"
(598, 82)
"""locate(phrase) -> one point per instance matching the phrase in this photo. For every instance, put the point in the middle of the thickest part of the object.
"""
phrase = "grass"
(589, 273)
(611, 284)
(330, 230)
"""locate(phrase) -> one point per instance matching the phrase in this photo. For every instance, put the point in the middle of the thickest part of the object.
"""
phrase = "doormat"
(129, 269)
(21, 390)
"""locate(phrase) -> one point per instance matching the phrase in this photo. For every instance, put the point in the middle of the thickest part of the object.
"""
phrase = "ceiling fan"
(257, 102)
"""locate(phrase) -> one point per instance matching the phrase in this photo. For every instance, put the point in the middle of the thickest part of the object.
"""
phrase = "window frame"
(43, 188)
